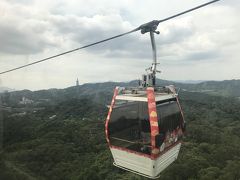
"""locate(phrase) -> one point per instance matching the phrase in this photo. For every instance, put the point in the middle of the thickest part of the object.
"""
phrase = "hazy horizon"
(203, 44)
(2, 88)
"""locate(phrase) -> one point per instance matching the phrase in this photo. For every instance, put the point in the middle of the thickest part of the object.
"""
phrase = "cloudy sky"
(201, 45)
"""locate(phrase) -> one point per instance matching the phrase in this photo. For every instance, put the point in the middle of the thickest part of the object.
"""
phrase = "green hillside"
(64, 138)
(223, 88)
(101, 91)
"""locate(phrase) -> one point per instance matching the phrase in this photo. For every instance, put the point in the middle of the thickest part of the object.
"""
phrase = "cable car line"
(67, 52)
(145, 133)
(184, 12)
(148, 27)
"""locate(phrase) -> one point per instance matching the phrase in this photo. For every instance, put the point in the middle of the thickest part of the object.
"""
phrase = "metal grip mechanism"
(151, 27)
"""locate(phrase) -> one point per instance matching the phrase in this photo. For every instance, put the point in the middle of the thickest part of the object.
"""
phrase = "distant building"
(44, 100)
(77, 82)
(26, 101)
(19, 114)
(53, 116)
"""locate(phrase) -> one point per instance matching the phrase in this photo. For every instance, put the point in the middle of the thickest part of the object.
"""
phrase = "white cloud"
(204, 40)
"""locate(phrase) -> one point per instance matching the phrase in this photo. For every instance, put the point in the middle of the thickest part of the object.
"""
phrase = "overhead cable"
(150, 26)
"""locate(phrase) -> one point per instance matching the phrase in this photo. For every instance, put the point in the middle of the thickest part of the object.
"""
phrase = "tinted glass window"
(169, 116)
(129, 124)
(123, 116)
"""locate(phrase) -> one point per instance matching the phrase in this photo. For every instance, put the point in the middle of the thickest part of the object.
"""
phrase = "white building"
(25, 101)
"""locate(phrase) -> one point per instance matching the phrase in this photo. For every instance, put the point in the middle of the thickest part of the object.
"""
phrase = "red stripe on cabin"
(152, 110)
(152, 156)
(109, 114)
(130, 151)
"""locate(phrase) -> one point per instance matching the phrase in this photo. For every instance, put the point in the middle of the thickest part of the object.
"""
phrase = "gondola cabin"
(144, 128)
(145, 124)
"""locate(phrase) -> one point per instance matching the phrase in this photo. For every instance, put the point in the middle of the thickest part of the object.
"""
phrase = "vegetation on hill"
(101, 91)
(65, 140)
(230, 88)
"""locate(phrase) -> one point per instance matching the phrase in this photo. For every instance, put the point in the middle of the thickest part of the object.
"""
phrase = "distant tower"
(77, 82)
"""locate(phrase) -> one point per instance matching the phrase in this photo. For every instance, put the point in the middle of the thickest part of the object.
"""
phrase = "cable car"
(144, 128)
(145, 124)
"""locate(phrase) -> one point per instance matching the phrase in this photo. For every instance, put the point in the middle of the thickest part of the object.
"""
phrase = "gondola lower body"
(144, 165)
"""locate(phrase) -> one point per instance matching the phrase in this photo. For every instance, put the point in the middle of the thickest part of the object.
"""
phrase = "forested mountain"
(223, 88)
(98, 90)
(62, 137)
